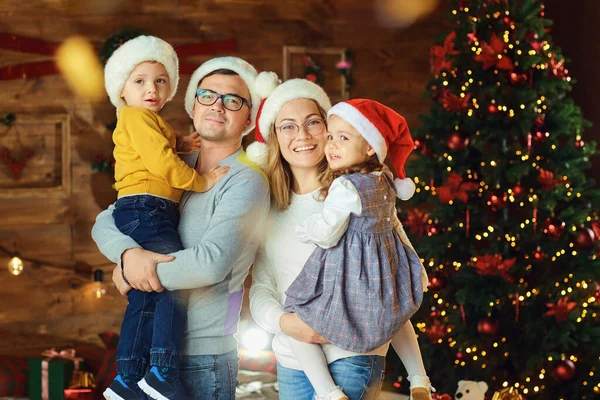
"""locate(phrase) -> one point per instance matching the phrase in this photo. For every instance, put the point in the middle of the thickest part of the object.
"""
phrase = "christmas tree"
(504, 216)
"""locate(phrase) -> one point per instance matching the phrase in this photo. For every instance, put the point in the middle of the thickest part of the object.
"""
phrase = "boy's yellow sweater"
(145, 157)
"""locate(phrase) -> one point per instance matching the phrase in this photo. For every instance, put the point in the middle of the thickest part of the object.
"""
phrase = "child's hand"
(213, 176)
(186, 144)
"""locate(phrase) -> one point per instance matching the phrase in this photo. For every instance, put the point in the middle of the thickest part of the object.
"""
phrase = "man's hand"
(186, 144)
(139, 267)
(117, 279)
(293, 326)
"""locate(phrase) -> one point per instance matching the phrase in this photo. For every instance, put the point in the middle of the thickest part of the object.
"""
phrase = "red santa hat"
(386, 131)
(275, 96)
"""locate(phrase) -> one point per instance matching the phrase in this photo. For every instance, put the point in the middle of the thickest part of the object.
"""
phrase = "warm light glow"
(15, 266)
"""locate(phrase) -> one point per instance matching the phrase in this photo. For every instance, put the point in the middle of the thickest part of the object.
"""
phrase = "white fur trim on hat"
(129, 55)
(257, 152)
(266, 82)
(405, 188)
(363, 126)
(289, 90)
(246, 71)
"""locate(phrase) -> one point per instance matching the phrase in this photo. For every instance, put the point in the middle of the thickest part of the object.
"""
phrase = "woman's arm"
(266, 307)
(326, 228)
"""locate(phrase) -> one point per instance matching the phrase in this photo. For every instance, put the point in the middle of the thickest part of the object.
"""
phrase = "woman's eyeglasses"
(313, 127)
(232, 102)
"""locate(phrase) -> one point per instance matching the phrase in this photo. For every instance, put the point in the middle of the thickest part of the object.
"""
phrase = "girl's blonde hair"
(279, 172)
(371, 164)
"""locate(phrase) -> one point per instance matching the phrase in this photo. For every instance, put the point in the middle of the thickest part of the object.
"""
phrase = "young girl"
(363, 283)
(140, 77)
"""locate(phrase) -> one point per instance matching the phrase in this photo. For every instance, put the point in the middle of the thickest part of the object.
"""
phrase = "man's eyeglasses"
(313, 127)
(232, 102)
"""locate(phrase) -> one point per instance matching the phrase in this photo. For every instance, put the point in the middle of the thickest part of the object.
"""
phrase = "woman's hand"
(294, 327)
(139, 267)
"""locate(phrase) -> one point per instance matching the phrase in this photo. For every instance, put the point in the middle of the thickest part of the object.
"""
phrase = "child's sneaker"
(119, 390)
(156, 387)
(420, 387)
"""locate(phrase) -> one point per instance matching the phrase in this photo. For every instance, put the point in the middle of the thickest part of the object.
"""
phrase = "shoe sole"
(150, 391)
(109, 394)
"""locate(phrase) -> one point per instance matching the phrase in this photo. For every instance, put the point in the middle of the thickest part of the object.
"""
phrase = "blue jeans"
(154, 323)
(210, 377)
(360, 378)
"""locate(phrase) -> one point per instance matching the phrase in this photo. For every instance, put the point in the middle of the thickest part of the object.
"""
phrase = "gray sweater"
(219, 231)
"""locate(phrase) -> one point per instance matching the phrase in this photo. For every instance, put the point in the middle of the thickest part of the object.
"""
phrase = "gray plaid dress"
(359, 293)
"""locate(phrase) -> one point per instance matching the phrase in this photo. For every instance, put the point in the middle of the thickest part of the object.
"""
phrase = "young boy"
(140, 77)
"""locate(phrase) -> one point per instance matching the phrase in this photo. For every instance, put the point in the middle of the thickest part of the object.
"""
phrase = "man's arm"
(236, 223)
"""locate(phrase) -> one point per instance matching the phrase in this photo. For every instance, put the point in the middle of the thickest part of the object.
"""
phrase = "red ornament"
(595, 225)
(517, 79)
(518, 190)
(421, 145)
(579, 143)
(493, 109)
(539, 136)
(585, 238)
(539, 121)
(457, 142)
(539, 255)
(311, 77)
(437, 331)
(507, 20)
(564, 371)
(437, 282)
(496, 201)
(433, 229)
(460, 355)
(554, 227)
(488, 327)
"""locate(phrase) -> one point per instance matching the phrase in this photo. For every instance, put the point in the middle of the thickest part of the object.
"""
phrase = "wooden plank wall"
(390, 65)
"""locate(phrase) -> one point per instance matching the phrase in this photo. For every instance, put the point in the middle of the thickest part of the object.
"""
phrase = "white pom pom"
(405, 188)
(257, 153)
(266, 82)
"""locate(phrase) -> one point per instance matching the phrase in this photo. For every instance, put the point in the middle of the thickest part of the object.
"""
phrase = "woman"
(291, 137)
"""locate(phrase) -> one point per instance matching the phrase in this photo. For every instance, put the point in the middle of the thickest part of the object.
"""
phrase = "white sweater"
(278, 262)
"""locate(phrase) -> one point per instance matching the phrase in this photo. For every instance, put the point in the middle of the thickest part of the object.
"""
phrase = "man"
(218, 229)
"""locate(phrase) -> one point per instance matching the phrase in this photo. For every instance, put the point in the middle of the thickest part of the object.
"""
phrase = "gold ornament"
(82, 380)
(509, 393)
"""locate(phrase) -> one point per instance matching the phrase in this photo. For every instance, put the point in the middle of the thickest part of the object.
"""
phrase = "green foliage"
(521, 126)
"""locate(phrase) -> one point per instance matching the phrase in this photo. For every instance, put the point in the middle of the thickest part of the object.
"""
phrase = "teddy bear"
(471, 390)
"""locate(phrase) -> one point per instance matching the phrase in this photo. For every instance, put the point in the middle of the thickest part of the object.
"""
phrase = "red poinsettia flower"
(437, 331)
(452, 102)
(492, 54)
(417, 222)
(561, 309)
(489, 265)
(557, 68)
(438, 54)
(547, 180)
(455, 188)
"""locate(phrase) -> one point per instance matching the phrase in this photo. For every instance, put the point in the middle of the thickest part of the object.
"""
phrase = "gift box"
(49, 377)
(50, 374)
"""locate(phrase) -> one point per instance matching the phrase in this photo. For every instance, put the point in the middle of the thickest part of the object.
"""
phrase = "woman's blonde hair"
(371, 164)
(279, 172)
